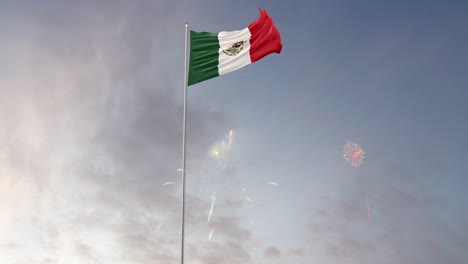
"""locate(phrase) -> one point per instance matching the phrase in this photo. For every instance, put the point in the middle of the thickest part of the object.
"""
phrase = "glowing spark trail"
(211, 233)
(272, 183)
(213, 198)
(167, 183)
(248, 199)
(180, 170)
(220, 150)
(230, 136)
(353, 154)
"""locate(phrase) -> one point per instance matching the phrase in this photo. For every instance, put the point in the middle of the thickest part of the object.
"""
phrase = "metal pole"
(184, 143)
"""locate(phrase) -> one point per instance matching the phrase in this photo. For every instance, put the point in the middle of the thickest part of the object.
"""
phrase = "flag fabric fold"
(215, 54)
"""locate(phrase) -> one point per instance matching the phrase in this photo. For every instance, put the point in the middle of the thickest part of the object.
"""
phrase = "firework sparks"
(353, 154)
(216, 151)
(248, 199)
(167, 183)
(211, 233)
(213, 198)
(229, 138)
(186, 171)
(220, 150)
(272, 183)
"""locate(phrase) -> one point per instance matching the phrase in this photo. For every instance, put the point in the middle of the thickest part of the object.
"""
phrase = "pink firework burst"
(353, 154)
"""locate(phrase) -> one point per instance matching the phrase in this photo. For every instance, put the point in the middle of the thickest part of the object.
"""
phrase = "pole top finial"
(186, 24)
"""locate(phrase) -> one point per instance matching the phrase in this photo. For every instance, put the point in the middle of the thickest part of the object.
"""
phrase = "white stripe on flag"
(231, 63)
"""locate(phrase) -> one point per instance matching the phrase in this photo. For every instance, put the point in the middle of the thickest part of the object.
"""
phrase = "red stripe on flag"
(265, 38)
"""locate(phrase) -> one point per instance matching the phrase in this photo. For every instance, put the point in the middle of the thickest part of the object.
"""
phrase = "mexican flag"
(215, 54)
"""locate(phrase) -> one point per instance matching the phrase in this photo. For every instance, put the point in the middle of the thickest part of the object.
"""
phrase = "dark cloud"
(229, 252)
(399, 227)
(298, 252)
(95, 125)
(350, 248)
(272, 252)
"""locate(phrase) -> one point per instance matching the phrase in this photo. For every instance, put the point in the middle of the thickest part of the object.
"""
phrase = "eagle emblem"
(234, 49)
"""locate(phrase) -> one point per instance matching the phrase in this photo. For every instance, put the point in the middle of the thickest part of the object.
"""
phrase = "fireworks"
(186, 171)
(167, 183)
(217, 151)
(159, 226)
(353, 154)
(211, 233)
(229, 139)
(213, 198)
(272, 183)
(220, 150)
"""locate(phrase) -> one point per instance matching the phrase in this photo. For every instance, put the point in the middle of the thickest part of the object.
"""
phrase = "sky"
(91, 99)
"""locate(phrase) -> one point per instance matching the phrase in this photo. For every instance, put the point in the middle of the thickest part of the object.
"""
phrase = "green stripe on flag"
(204, 48)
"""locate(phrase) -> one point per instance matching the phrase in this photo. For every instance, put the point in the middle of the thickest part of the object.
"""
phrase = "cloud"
(298, 252)
(229, 252)
(401, 227)
(86, 252)
(91, 129)
(272, 252)
(349, 248)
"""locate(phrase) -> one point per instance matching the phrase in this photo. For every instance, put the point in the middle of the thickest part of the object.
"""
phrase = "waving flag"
(215, 54)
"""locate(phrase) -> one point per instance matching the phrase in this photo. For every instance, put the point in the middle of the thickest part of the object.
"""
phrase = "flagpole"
(184, 143)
